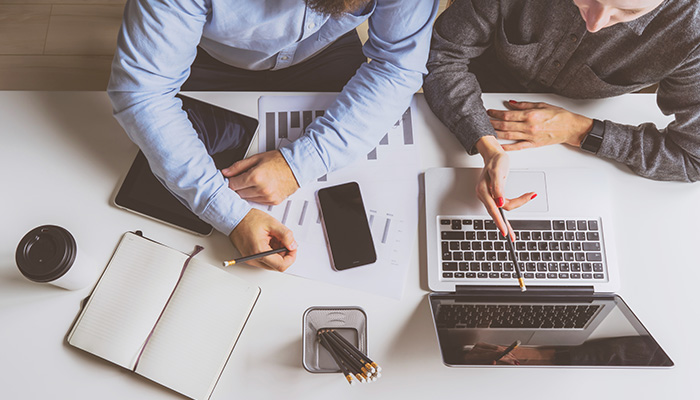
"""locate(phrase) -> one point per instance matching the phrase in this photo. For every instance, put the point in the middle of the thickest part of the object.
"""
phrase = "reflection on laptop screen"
(599, 330)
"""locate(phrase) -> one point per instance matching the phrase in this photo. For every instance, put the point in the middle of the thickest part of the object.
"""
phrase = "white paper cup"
(48, 254)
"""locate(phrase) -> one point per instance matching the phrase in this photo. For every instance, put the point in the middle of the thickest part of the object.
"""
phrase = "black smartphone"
(345, 225)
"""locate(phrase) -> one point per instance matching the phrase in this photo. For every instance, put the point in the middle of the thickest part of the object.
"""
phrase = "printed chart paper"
(388, 179)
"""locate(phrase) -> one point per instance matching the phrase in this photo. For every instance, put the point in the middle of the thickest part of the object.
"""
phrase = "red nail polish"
(512, 102)
(500, 202)
(533, 196)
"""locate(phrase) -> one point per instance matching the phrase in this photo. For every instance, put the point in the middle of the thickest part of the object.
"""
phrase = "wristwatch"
(594, 138)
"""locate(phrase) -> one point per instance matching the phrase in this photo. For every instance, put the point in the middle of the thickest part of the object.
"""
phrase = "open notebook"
(185, 348)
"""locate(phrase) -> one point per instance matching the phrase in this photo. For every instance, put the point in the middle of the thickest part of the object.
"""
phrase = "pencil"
(511, 247)
(341, 365)
(252, 257)
(366, 359)
(509, 349)
(349, 355)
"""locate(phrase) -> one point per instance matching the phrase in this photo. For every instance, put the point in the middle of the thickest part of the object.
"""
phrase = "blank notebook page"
(198, 330)
(127, 300)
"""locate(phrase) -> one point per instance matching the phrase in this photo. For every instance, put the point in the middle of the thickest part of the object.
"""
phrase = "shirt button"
(573, 38)
(312, 25)
(557, 64)
(285, 58)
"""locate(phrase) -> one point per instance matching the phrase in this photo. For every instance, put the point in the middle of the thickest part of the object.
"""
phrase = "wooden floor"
(62, 44)
(57, 44)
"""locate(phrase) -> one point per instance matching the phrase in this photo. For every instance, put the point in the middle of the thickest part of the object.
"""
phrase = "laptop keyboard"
(514, 316)
(548, 250)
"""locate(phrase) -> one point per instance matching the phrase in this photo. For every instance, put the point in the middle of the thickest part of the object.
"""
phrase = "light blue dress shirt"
(158, 43)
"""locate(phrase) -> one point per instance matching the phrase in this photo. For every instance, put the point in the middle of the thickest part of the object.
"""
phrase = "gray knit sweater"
(543, 46)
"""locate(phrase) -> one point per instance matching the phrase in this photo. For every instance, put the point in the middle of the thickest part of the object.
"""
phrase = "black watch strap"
(594, 138)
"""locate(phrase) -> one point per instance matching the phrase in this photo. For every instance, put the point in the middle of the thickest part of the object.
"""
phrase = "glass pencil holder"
(349, 322)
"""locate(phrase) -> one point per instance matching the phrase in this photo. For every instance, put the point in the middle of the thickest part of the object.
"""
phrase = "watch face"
(594, 139)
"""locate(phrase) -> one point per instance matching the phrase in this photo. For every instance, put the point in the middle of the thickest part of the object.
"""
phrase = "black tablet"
(143, 193)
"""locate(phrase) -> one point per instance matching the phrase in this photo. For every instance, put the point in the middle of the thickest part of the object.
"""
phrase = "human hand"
(538, 124)
(258, 232)
(486, 353)
(492, 181)
(263, 178)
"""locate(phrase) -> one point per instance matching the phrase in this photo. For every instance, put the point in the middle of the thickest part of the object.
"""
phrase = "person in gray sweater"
(584, 49)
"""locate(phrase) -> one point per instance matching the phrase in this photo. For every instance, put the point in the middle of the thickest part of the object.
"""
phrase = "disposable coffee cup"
(49, 254)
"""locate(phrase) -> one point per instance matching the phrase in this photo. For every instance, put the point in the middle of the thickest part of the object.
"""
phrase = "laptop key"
(494, 275)
(591, 246)
(597, 267)
(540, 275)
(528, 225)
(478, 224)
(482, 275)
(459, 274)
(468, 255)
(447, 274)
(464, 266)
(452, 235)
(457, 224)
(474, 266)
(594, 257)
(471, 274)
(575, 275)
(471, 235)
(529, 275)
(447, 255)
(444, 222)
(558, 225)
(505, 275)
(598, 276)
(592, 236)
(551, 275)
(489, 225)
(563, 276)
(449, 266)
(587, 276)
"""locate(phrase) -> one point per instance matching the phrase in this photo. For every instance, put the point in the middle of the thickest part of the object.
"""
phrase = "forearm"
(462, 33)
(375, 98)
(156, 45)
(653, 153)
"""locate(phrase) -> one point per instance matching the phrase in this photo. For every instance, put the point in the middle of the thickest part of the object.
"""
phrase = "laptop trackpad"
(520, 182)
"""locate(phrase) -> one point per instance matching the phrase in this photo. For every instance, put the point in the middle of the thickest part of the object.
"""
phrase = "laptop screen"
(596, 330)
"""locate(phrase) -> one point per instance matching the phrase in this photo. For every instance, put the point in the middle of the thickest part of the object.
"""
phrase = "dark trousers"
(327, 71)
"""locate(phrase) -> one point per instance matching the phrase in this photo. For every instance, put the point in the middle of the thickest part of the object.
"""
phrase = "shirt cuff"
(225, 210)
(304, 160)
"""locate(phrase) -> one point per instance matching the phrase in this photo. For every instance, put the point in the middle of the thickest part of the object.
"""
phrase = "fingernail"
(533, 196)
(500, 202)
(517, 362)
(512, 102)
(293, 246)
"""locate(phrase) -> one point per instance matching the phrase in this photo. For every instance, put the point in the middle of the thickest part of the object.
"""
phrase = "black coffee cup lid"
(46, 253)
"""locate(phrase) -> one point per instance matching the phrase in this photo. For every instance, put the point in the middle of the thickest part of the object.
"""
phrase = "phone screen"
(345, 224)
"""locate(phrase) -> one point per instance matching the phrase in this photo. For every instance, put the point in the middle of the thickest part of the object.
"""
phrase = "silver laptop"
(566, 256)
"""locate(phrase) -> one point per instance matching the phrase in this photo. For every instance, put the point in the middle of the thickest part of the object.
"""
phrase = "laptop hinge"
(531, 290)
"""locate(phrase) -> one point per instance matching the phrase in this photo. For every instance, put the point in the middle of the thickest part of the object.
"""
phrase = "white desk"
(62, 155)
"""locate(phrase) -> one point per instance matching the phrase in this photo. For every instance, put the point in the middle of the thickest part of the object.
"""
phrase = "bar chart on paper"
(388, 179)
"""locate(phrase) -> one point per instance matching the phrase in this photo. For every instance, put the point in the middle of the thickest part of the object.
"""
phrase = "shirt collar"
(638, 25)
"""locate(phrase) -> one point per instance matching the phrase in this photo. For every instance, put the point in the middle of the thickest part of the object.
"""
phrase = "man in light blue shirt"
(157, 45)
